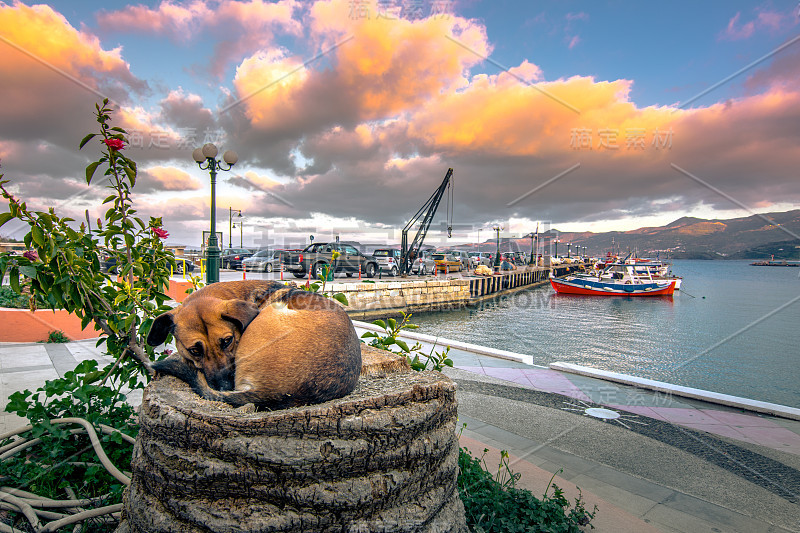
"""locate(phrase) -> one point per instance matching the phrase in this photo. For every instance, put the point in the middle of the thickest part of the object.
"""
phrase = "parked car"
(446, 262)
(263, 261)
(461, 256)
(388, 260)
(232, 257)
(180, 261)
(424, 263)
(481, 258)
(317, 257)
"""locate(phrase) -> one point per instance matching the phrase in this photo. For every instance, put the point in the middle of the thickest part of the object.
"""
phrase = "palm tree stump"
(382, 459)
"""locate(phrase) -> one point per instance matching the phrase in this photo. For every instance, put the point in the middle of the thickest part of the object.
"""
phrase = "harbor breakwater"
(381, 299)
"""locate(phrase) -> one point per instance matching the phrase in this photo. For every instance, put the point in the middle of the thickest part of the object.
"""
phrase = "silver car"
(388, 260)
(263, 261)
(424, 264)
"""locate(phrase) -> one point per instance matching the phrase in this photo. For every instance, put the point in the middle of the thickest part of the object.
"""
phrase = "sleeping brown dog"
(260, 342)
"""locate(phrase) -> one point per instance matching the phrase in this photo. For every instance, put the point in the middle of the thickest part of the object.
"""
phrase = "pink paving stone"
(778, 438)
(639, 410)
(739, 419)
(684, 415)
(555, 382)
(473, 369)
(514, 375)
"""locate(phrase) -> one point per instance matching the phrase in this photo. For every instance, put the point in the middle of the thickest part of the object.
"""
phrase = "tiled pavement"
(28, 366)
(644, 475)
(776, 433)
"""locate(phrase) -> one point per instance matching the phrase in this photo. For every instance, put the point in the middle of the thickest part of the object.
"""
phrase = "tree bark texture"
(382, 459)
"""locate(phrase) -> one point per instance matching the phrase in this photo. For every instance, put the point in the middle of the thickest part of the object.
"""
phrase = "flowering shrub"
(63, 269)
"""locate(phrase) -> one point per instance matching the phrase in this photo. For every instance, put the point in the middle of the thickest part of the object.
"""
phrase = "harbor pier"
(382, 299)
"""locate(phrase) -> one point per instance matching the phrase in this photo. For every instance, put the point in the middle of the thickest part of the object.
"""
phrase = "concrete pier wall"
(375, 300)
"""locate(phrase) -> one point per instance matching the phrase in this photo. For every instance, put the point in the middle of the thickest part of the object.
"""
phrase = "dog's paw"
(175, 366)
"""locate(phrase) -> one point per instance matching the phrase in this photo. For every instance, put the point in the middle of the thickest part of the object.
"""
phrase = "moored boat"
(617, 279)
(594, 285)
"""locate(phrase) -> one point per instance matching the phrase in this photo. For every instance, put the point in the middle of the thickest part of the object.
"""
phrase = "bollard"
(244, 270)
(380, 272)
(281, 270)
(359, 272)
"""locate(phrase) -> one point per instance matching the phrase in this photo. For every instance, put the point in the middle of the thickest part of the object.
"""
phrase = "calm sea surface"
(733, 328)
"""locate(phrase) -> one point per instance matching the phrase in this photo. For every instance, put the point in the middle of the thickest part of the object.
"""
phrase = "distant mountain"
(753, 237)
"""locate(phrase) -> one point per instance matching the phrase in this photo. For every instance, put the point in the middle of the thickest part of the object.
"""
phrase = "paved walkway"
(666, 464)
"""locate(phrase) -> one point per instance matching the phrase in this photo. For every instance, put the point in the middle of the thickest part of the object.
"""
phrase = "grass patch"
(9, 298)
(493, 504)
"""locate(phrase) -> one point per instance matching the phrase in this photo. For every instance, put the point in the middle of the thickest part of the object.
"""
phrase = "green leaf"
(28, 271)
(5, 217)
(13, 279)
(379, 323)
(369, 335)
(341, 298)
(38, 236)
(402, 345)
(90, 171)
(392, 324)
(131, 175)
(86, 140)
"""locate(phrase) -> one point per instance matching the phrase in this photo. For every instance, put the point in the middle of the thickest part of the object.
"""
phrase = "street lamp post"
(231, 225)
(556, 241)
(207, 156)
(532, 236)
(497, 254)
(241, 231)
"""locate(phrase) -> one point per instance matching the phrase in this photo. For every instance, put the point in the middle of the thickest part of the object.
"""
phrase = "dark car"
(179, 265)
(232, 257)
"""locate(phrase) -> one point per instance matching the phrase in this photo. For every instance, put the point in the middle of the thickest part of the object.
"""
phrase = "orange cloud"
(47, 35)
(53, 73)
(173, 179)
(383, 67)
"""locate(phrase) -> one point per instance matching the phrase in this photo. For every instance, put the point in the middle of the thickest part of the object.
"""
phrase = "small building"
(17, 247)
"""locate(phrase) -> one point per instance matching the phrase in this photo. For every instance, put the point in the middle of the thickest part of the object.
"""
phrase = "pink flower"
(161, 233)
(114, 144)
(31, 255)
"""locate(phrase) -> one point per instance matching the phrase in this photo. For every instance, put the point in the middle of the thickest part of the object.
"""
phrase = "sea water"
(732, 328)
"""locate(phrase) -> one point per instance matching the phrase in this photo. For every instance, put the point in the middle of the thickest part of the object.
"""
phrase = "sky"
(346, 114)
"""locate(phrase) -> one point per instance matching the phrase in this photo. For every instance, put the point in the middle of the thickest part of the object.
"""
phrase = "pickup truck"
(315, 257)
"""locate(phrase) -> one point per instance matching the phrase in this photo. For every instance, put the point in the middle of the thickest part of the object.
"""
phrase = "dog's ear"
(239, 312)
(162, 326)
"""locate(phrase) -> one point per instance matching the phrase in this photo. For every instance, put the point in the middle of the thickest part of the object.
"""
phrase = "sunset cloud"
(384, 68)
(247, 26)
(349, 118)
(764, 20)
(52, 68)
(167, 179)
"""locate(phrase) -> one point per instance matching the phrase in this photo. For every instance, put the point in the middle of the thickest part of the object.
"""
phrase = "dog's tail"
(176, 366)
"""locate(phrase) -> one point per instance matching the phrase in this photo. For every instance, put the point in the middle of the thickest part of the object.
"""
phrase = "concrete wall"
(369, 300)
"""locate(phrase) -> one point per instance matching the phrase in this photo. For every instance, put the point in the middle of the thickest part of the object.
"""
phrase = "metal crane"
(408, 253)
